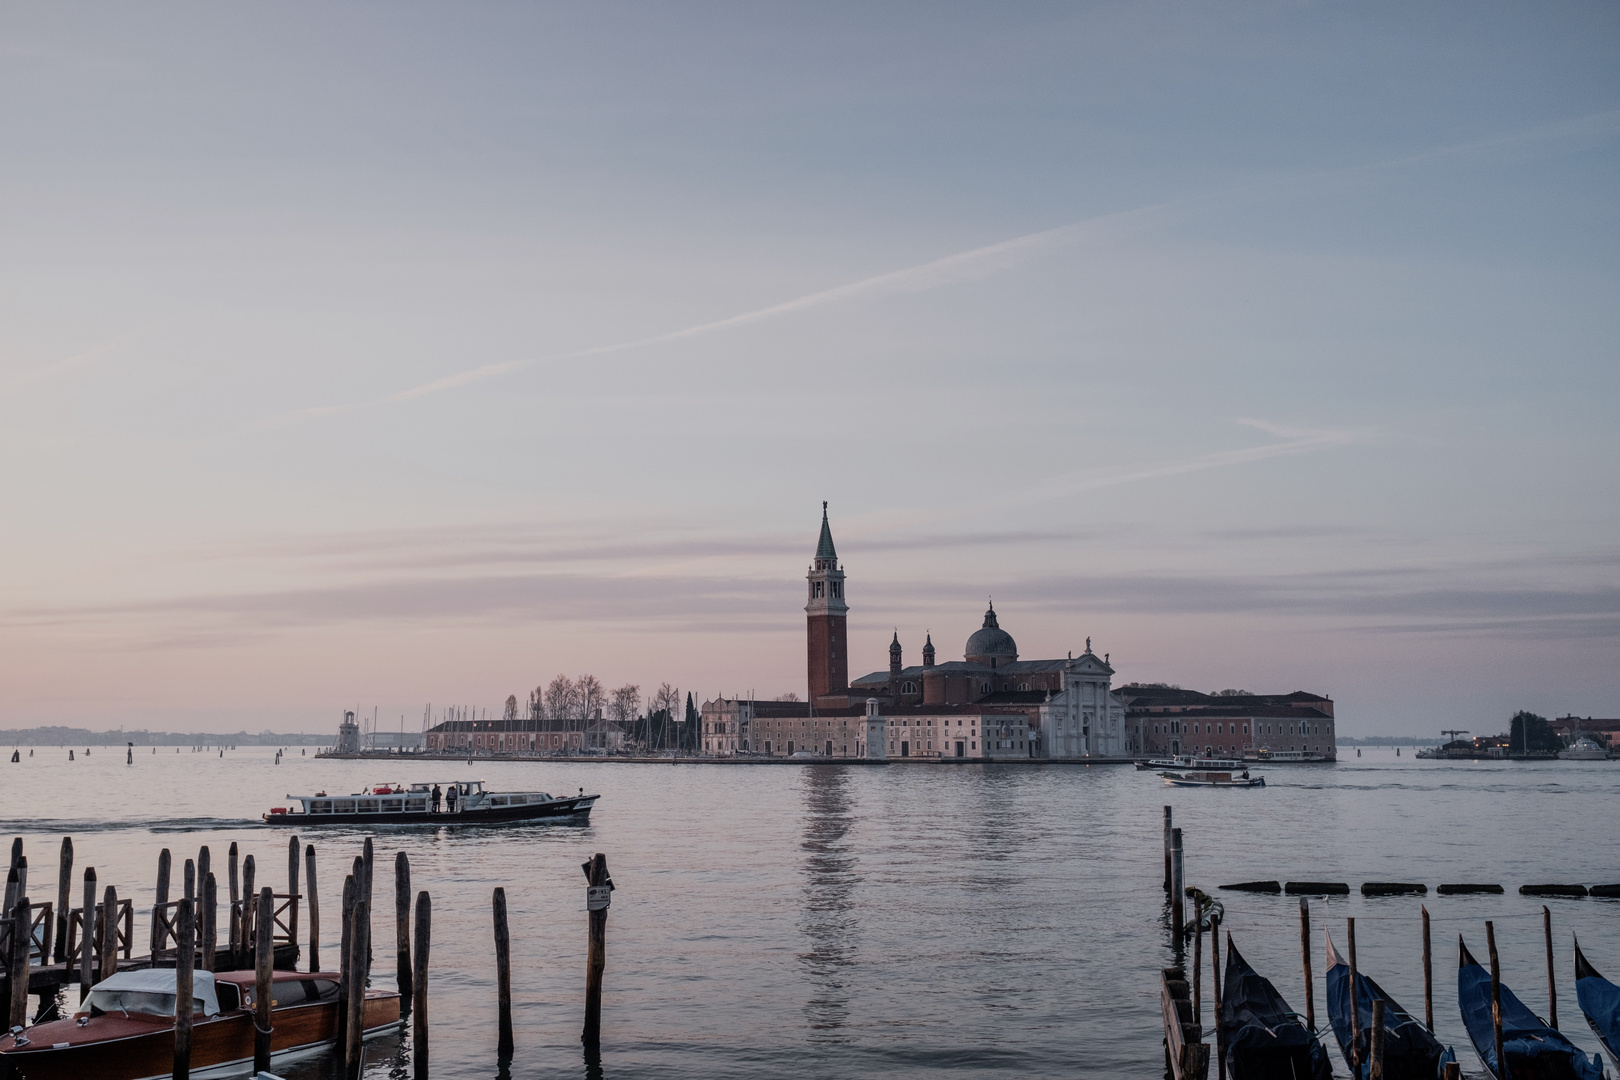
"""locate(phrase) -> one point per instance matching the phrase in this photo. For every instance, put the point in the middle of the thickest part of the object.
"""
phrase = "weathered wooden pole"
(1198, 962)
(109, 933)
(503, 974)
(1355, 1007)
(236, 897)
(368, 857)
(158, 935)
(247, 935)
(402, 927)
(1177, 899)
(351, 889)
(1453, 1071)
(1215, 985)
(1305, 961)
(184, 957)
(596, 902)
(210, 920)
(294, 850)
(419, 983)
(1496, 996)
(16, 853)
(1428, 974)
(314, 909)
(358, 944)
(264, 954)
(64, 899)
(190, 881)
(19, 963)
(205, 864)
(1375, 1049)
(87, 945)
(1167, 849)
(1552, 984)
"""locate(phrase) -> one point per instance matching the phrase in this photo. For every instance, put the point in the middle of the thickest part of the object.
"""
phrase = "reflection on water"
(828, 921)
(871, 921)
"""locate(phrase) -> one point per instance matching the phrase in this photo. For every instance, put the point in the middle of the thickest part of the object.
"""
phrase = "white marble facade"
(1085, 719)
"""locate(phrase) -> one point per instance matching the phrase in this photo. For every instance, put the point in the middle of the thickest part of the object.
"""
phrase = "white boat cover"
(161, 981)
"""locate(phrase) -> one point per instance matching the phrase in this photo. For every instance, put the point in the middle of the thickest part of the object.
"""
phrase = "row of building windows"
(1175, 728)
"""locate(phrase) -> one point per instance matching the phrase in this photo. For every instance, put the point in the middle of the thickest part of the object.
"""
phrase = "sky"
(401, 356)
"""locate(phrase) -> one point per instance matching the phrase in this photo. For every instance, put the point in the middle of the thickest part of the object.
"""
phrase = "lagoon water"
(854, 921)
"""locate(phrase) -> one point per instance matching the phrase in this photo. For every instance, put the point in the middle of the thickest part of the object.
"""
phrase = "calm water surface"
(847, 921)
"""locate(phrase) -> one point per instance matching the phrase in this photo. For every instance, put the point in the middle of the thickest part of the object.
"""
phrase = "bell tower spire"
(826, 640)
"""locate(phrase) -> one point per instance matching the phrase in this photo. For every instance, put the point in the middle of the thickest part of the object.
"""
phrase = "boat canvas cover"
(1531, 1047)
(1600, 1002)
(1263, 1039)
(161, 981)
(1410, 1050)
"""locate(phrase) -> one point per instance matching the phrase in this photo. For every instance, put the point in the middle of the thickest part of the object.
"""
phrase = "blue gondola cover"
(1532, 1048)
(1262, 1038)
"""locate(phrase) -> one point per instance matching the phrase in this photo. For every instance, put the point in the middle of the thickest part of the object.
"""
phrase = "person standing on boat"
(438, 797)
(451, 795)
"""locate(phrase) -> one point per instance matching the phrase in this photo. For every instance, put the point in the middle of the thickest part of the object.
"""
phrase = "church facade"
(990, 705)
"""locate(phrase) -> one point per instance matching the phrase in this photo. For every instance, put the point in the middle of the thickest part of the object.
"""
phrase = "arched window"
(1023, 686)
(908, 688)
(984, 688)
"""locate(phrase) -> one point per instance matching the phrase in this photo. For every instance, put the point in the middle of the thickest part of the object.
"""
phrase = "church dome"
(990, 643)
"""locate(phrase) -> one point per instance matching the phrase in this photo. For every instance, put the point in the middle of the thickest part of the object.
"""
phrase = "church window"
(908, 688)
(838, 588)
(984, 688)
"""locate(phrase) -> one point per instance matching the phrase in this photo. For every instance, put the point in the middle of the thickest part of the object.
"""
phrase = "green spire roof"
(824, 547)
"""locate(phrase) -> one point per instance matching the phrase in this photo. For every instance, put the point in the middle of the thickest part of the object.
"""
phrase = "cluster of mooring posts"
(1181, 999)
(44, 947)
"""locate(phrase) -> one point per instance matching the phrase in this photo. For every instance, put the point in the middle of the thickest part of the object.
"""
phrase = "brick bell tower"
(825, 638)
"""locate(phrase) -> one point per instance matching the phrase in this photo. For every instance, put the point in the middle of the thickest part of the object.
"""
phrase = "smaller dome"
(990, 642)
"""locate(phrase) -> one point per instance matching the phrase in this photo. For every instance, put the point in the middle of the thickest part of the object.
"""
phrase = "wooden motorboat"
(125, 1029)
(1411, 1052)
(1211, 779)
(1600, 1004)
(1531, 1046)
(464, 802)
(1260, 1036)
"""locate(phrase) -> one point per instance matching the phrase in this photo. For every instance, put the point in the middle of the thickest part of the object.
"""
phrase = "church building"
(989, 705)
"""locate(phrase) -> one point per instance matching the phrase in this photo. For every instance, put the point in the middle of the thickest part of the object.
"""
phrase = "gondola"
(1534, 1051)
(1410, 1050)
(1600, 1003)
(1262, 1038)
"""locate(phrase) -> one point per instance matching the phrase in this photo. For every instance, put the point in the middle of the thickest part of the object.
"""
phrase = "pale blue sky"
(385, 355)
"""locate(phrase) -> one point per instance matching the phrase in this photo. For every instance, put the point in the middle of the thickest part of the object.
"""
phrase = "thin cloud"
(58, 368)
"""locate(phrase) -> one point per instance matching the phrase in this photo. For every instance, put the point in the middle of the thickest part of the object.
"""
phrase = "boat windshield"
(134, 1001)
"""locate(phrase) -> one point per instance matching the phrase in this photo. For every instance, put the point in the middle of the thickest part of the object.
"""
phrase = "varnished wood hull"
(220, 1046)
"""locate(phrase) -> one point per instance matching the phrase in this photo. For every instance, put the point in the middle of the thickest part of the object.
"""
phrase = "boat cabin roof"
(162, 981)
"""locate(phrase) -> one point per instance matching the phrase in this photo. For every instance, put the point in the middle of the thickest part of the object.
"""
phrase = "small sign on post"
(598, 897)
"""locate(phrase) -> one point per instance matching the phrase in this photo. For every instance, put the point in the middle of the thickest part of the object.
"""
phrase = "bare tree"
(592, 695)
(664, 703)
(625, 703)
(789, 696)
(562, 698)
(511, 707)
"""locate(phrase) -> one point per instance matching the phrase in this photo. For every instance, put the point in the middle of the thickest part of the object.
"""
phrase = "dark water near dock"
(826, 920)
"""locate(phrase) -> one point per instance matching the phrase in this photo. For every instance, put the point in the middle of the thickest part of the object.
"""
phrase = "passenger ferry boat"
(464, 802)
(1192, 761)
(1211, 778)
(125, 1028)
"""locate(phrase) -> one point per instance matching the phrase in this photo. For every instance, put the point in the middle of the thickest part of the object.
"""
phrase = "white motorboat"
(1584, 750)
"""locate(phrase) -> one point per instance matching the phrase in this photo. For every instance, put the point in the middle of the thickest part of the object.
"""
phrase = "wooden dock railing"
(125, 926)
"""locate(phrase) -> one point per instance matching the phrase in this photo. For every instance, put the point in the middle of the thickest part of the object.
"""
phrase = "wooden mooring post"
(233, 873)
(19, 963)
(1167, 884)
(1198, 961)
(184, 958)
(359, 943)
(294, 850)
(503, 974)
(245, 937)
(157, 935)
(190, 882)
(351, 890)
(402, 927)
(210, 920)
(419, 984)
(1177, 897)
(64, 900)
(314, 909)
(1496, 993)
(597, 897)
(1375, 1043)
(109, 934)
(1355, 1005)
(1215, 986)
(1428, 974)
(87, 946)
(264, 954)
(1305, 962)
(1552, 982)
